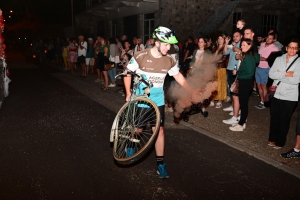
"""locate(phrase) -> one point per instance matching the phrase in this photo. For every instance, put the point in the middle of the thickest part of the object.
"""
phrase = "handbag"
(234, 88)
(271, 91)
(270, 94)
(108, 66)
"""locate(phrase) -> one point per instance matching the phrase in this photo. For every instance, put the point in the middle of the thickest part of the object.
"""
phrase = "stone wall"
(183, 15)
(180, 15)
(86, 25)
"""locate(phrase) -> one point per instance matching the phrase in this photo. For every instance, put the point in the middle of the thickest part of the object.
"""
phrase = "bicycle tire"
(126, 128)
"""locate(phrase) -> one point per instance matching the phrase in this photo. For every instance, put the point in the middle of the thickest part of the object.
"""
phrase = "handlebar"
(137, 75)
(143, 80)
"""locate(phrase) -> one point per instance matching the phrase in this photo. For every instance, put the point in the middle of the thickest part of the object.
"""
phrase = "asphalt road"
(54, 144)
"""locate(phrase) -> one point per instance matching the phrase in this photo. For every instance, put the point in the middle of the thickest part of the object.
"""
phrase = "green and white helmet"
(164, 34)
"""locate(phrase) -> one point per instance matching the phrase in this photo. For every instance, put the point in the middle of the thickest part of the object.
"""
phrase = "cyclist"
(154, 63)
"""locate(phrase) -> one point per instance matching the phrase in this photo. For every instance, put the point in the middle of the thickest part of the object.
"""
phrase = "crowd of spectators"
(246, 58)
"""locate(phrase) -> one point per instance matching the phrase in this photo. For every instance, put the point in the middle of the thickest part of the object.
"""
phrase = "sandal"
(104, 88)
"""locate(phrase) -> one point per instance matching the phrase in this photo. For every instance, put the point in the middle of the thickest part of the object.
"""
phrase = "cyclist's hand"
(189, 72)
(198, 91)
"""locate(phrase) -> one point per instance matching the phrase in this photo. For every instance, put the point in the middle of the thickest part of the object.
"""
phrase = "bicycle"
(136, 125)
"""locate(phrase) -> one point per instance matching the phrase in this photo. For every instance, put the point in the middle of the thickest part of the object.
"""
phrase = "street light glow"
(11, 11)
(9, 16)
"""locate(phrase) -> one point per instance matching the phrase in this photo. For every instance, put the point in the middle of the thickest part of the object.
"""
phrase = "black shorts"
(145, 112)
(230, 80)
(81, 59)
(230, 77)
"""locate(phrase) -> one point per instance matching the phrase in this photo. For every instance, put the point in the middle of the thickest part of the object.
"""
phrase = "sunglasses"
(293, 48)
(168, 34)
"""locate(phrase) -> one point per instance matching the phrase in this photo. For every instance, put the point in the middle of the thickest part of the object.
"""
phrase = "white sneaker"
(236, 128)
(232, 120)
(244, 125)
(212, 104)
(112, 85)
(218, 105)
(231, 113)
(230, 108)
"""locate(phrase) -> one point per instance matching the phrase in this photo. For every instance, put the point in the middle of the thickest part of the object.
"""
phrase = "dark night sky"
(50, 11)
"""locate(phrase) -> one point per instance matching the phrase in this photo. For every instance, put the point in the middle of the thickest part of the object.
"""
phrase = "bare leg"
(105, 80)
(84, 69)
(260, 92)
(263, 92)
(87, 69)
(99, 74)
(235, 105)
(71, 67)
(160, 142)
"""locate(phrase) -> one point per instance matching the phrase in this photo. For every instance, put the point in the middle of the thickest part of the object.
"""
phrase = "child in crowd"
(125, 61)
(240, 25)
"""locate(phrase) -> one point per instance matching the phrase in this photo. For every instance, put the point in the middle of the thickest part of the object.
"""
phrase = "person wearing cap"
(89, 59)
(82, 48)
(155, 63)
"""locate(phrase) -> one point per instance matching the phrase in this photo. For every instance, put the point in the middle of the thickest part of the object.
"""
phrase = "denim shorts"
(262, 75)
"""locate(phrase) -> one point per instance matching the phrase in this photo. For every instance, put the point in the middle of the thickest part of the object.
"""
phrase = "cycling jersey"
(155, 71)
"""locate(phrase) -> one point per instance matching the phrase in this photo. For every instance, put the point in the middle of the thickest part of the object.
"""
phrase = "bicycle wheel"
(135, 129)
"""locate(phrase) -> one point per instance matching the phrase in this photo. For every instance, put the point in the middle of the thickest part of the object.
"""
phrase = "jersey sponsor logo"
(150, 61)
(156, 79)
(149, 68)
(164, 70)
(141, 54)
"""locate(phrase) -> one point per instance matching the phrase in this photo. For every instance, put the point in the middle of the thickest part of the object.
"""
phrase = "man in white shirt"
(82, 54)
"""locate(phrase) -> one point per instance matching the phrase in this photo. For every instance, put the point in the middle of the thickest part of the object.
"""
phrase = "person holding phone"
(139, 46)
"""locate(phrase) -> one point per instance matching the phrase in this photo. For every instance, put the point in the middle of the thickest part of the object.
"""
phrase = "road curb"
(241, 148)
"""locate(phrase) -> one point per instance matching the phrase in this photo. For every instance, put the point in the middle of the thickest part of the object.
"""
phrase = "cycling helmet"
(164, 34)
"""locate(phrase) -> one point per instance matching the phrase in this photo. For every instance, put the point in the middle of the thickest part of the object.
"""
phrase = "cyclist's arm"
(182, 81)
(132, 66)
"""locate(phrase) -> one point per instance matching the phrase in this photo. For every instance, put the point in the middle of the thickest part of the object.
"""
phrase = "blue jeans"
(112, 73)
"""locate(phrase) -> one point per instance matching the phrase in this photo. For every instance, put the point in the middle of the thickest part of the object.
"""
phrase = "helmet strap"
(158, 49)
